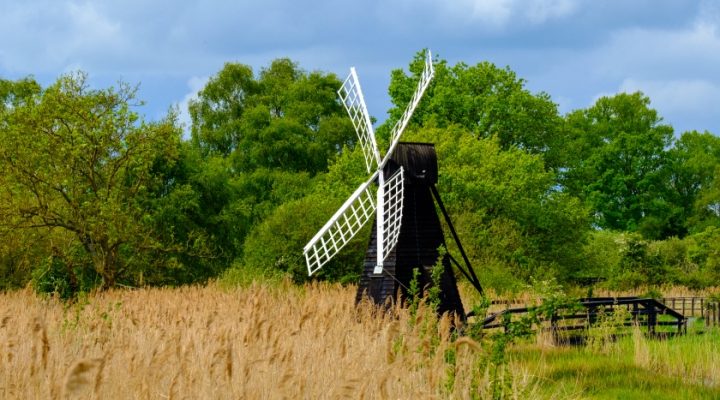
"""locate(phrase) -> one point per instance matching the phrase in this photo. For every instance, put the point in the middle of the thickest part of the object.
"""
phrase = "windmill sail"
(341, 227)
(393, 206)
(427, 76)
(352, 98)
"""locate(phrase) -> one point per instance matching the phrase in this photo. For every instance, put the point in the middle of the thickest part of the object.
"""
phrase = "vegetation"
(276, 341)
(94, 196)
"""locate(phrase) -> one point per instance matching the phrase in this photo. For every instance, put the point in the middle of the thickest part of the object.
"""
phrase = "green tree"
(262, 139)
(284, 119)
(80, 161)
(694, 179)
(276, 243)
(617, 162)
(506, 206)
(486, 100)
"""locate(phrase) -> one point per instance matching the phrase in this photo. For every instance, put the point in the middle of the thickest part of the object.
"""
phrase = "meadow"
(268, 341)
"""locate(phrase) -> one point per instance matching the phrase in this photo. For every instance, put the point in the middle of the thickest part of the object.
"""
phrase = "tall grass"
(284, 341)
(694, 358)
(256, 342)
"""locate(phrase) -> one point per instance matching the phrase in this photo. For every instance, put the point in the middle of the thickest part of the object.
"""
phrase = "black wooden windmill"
(407, 232)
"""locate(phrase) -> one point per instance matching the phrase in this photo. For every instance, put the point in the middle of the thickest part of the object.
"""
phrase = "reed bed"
(258, 342)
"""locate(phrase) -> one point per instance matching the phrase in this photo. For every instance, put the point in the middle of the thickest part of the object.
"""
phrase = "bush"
(65, 278)
(276, 245)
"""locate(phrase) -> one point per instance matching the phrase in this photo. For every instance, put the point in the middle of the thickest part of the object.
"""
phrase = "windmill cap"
(419, 161)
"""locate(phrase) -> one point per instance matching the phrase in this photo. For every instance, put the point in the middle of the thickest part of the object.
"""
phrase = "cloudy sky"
(575, 50)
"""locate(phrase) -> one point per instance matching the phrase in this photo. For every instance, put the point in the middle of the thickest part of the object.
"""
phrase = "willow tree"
(81, 161)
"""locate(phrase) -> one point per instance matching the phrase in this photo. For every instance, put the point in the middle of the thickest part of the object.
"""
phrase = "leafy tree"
(618, 164)
(276, 243)
(263, 138)
(284, 119)
(80, 161)
(694, 179)
(707, 205)
(486, 100)
(506, 206)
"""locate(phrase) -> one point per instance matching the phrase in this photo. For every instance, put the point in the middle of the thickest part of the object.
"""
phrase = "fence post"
(692, 307)
(652, 317)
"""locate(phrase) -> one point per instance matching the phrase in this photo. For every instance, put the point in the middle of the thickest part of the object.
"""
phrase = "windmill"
(406, 232)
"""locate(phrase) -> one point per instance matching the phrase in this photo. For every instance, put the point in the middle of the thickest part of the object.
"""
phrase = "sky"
(574, 50)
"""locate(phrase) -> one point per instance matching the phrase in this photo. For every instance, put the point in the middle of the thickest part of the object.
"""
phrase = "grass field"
(283, 341)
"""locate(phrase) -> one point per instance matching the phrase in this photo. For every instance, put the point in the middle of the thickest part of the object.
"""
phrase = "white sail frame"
(342, 226)
(352, 98)
(393, 211)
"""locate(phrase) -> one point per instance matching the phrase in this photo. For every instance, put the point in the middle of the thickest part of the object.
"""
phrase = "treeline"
(94, 196)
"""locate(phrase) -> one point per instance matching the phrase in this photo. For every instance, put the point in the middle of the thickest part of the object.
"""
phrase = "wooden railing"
(696, 307)
(644, 312)
(707, 309)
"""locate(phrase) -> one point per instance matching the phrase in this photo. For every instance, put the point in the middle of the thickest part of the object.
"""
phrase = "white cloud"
(685, 104)
(660, 54)
(539, 11)
(677, 96)
(195, 84)
(489, 15)
(45, 36)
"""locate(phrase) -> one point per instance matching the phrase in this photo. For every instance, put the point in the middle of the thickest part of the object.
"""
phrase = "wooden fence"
(696, 307)
(644, 312)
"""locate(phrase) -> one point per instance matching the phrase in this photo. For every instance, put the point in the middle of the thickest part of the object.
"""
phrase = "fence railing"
(696, 307)
(708, 309)
(640, 311)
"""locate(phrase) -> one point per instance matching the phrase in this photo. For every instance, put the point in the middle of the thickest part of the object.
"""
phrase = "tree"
(276, 243)
(617, 163)
(285, 119)
(486, 100)
(261, 140)
(506, 207)
(80, 161)
(695, 163)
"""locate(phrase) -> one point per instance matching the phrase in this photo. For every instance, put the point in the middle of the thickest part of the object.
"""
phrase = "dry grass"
(258, 342)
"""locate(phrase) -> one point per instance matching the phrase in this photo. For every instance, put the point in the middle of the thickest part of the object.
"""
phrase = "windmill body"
(407, 232)
(420, 236)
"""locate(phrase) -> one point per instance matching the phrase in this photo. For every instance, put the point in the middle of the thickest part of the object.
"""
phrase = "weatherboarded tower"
(420, 236)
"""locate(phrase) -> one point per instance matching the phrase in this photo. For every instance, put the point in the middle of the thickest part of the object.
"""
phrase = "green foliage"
(277, 242)
(261, 142)
(66, 275)
(626, 261)
(695, 163)
(414, 293)
(617, 163)
(485, 100)
(505, 207)
(81, 161)
(436, 272)
(283, 119)
(239, 275)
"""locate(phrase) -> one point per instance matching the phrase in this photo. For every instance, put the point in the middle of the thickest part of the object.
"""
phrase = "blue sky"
(575, 50)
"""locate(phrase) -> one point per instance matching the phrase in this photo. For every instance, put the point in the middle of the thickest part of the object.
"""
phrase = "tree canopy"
(91, 194)
(80, 161)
